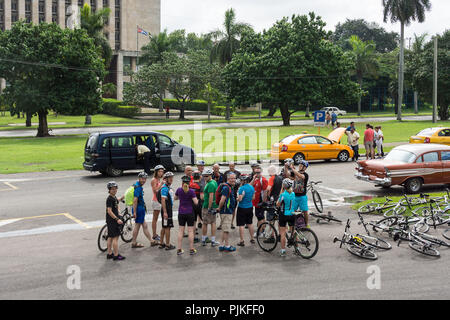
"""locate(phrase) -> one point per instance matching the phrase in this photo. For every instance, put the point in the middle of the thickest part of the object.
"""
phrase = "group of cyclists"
(206, 196)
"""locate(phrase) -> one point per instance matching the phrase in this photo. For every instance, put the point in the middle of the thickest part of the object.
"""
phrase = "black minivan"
(112, 153)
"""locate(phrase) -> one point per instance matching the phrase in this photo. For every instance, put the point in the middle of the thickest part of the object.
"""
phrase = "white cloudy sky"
(202, 16)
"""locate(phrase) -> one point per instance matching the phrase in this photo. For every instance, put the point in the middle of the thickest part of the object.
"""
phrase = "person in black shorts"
(113, 222)
(196, 185)
(246, 194)
(167, 212)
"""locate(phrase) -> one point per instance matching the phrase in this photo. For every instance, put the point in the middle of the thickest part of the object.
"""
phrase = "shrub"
(115, 108)
(221, 111)
(194, 105)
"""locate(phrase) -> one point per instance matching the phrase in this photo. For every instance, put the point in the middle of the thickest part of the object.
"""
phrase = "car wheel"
(413, 185)
(298, 158)
(343, 156)
(114, 172)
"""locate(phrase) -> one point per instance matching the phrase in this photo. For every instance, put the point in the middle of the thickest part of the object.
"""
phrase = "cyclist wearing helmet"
(287, 169)
(227, 204)
(254, 165)
(209, 209)
(113, 222)
(245, 208)
(273, 190)
(139, 211)
(286, 202)
(156, 206)
(196, 185)
(186, 214)
(300, 189)
(167, 197)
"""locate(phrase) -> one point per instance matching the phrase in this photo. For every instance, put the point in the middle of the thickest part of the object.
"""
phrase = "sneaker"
(118, 257)
(180, 252)
(196, 240)
(109, 256)
(208, 240)
(230, 249)
(221, 248)
(283, 253)
(219, 228)
(214, 244)
(252, 241)
(170, 247)
(192, 252)
(241, 244)
(156, 238)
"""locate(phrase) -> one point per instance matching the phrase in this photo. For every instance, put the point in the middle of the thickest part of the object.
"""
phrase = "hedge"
(116, 108)
(194, 105)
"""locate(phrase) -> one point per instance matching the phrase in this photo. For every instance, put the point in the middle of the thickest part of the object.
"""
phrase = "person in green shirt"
(209, 209)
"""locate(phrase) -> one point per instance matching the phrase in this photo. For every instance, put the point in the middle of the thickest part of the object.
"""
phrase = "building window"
(80, 3)
(105, 3)
(117, 25)
(93, 5)
(67, 6)
(55, 11)
(41, 11)
(14, 10)
(28, 9)
(2, 15)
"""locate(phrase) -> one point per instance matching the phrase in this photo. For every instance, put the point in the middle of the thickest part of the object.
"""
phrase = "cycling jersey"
(287, 202)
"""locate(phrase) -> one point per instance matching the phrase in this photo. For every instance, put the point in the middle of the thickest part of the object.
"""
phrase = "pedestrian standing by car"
(139, 211)
(244, 215)
(113, 222)
(260, 184)
(143, 152)
(378, 136)
(195, 185)
(286, 202)
(353, 142)
(333, 118)
(167, 112)
(167, 197)
(301, 188)
(328, 118)
(156, 206)
(227, 204)
(368, 142)
(186, 215)
(209, 208)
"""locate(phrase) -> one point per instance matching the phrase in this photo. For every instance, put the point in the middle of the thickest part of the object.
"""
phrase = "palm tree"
(227, 42)
(365, 60)
(93, 23)
(404, 11)
(152, 52)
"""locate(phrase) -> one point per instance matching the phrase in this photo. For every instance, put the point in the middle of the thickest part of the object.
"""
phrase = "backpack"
(299, 186)
(158, 196)
(129, 196)
(219, 192)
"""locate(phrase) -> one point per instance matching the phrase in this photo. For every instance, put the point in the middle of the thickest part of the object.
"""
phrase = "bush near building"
(116, 108)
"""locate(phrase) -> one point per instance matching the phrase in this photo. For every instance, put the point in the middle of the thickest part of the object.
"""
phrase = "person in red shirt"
(368, 142)
(260, 184)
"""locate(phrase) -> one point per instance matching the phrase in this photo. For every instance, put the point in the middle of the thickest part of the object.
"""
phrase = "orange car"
(312, 147)
(432, 135)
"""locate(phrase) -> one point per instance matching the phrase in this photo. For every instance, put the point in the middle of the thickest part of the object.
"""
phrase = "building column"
(48, 11)
(133, 64)
(99, 4)
(35, 12)
(7, 6)
(2, 85)
(21, 9)
(62, 14)
(111, 25)
(120, 76)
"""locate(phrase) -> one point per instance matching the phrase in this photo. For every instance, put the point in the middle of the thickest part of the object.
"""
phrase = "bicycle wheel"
(306, 243)
(375, 242)
(434, 240)
(421, 226)
(127, 230)
(424, 249)
(446, 234)
(368, 208)
(317, 201)
(267, 237)
(362, 252)
(438, 221)
(102, 240)
(384, 224)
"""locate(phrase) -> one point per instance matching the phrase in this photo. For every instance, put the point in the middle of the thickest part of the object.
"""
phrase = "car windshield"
(288, 139)
(427, 132)
(92, 142)
(401, 155)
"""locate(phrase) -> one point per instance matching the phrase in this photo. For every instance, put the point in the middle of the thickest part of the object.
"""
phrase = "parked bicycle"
(377, 207)
(126, 231)
(317, 199)
(356, 244)
(325, 217)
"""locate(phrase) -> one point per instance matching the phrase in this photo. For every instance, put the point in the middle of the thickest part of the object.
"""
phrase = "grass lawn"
(66, 152)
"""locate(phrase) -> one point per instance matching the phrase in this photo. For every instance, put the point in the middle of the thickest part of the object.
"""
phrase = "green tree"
(404, 11)
(50, 69)
(291, 65)
(365, 61)
(366, 31)
(226, 42)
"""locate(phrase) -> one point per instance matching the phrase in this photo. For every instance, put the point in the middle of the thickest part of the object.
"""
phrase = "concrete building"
(121, 30)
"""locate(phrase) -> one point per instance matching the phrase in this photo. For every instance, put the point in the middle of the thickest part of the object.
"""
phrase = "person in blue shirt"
(286, 202)
(139, 210)
(167, 197)
(227, 204)
(246, 194)
(333, 118)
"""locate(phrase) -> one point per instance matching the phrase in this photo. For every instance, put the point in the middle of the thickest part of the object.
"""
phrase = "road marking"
(5, 222)
(11, 187)
(81, 223)
(35, 217)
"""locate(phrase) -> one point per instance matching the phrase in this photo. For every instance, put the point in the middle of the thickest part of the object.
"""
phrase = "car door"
(442, 137)
(432, 167)
(445, 157)
(325, 148)
(122, 152)
(308, 146)
(165, 146)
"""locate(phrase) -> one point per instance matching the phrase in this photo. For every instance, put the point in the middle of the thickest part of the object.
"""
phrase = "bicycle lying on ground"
(377, 207)
(419, 244)
(302, 239)
(356, 244)
(325, 217)
(126, 231)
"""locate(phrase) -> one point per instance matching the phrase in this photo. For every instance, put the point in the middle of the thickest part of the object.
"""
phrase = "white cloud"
(202, 16)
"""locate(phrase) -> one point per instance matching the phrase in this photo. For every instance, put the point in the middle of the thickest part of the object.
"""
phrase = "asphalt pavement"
(49, 223)
(204, 125)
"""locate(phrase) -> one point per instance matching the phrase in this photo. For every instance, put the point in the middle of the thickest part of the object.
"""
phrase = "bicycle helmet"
(254, 165)
(304, 163)
(112, 184)
(197, 175)
(288, 161)
(200, 162)
(238, 181)
(185, 179)
(245, 178)
(287, 183)
(208, 172)
(168, 174)
(143, 175)
(160, 167)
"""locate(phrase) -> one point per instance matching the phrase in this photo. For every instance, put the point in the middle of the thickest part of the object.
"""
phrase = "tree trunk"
(182, 112)
(400, 71)
(272, 110)
(307, 111)
(43, 125)
(416, 106)
(209, 110)
(161, 101)
(359, 100)
(285, 114)
(28, 120)
(227, 117)
(87, 119)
